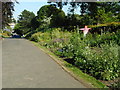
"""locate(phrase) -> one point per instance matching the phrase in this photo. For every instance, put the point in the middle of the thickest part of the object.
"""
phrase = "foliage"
(116, 84)
(58, 19)
(18, 29)
(100, 61)
(7, 12)
(45, 11)
(96, 12)
(103, 17)
(96, 54)
(6, 34)
(24, 22)
(34, 23)
(77, 73)
(50, 15)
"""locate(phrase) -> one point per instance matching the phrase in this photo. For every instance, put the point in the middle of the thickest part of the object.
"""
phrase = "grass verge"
(85, 79)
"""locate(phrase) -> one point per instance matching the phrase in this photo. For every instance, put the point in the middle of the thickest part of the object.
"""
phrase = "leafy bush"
(102, 64)
(51, 37)
(94, 54)
(100, 61)
(6, 34)
(116, 84)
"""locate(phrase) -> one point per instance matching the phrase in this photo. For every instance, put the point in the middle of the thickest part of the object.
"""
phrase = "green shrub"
(95, 54)
(6, 34)
(99, 61)
(54, 39)
(116, 84)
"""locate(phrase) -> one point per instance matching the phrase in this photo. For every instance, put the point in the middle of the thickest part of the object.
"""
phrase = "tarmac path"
(26, 66)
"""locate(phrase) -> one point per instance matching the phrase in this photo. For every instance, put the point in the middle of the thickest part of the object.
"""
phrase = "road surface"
(26, 66)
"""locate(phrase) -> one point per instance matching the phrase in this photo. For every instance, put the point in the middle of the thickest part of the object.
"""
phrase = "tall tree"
(49, 14)
(24, 22)
(7, 11)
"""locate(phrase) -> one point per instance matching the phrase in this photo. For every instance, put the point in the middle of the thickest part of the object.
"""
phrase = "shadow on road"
(15, 37)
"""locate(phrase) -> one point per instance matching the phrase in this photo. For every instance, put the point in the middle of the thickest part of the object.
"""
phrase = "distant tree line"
(51, 16)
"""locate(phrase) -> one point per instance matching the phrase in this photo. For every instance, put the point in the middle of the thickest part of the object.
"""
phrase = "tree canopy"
(97, 12)
(50, 14)
(24, 22)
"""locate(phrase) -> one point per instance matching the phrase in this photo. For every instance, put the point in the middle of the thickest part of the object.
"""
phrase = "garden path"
(26, 66)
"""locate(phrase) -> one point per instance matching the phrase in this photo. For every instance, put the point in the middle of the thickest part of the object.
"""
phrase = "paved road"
(0, 63)
(26, 66)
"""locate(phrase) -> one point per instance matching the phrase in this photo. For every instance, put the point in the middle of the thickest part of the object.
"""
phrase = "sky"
(32, 6)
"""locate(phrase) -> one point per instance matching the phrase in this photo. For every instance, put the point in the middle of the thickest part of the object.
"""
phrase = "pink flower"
(85, 30)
